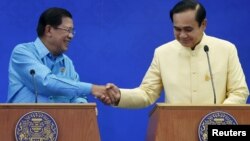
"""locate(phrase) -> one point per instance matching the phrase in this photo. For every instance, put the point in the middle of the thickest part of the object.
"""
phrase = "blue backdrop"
(115, 41)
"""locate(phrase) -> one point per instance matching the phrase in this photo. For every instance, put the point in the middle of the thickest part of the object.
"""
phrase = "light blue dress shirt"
(55, 77)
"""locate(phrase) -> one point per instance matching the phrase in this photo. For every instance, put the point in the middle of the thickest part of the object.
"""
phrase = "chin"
(65, 49)
(186, 45)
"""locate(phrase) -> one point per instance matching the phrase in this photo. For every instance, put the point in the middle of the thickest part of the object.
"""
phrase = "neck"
(192, 48)
(49, 46)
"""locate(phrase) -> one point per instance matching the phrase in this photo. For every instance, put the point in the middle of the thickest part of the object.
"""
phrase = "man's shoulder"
(169, 46)
(218, 41)
(24, 51)
(220, 45)
(24, 46)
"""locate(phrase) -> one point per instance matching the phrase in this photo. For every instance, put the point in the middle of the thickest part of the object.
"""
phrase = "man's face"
(186, 29)
(62, 35)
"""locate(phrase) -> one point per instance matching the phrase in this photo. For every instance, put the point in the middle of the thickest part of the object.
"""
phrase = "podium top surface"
(198, 106)
(47, 105)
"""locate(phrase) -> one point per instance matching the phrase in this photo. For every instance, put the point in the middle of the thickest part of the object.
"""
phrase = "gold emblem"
(214, 118)
(207, 77)
(62, 69)
(36, 126)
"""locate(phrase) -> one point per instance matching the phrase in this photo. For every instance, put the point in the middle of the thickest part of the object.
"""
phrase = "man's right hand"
(114, 93)
(109, 94)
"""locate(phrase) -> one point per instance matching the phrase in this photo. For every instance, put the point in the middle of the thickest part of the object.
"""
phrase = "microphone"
(32, 73)
(206, 49)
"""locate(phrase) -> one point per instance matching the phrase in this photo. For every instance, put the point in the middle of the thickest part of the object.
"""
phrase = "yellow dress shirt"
(184, 75)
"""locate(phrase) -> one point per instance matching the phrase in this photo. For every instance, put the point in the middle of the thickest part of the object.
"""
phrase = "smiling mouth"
(67, 42)
(185, 41)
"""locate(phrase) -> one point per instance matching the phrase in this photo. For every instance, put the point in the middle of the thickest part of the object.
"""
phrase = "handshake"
(109, 94)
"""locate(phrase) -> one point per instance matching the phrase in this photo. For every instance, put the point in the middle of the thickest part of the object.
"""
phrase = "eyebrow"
(185, 27)
(67, 27)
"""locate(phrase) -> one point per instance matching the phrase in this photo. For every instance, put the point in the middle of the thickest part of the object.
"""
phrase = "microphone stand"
(206, 49)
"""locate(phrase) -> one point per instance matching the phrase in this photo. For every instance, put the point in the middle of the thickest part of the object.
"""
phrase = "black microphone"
(206, 49)
(32, 73)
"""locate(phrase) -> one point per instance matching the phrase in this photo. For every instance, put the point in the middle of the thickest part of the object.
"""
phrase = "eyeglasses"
(69, 30)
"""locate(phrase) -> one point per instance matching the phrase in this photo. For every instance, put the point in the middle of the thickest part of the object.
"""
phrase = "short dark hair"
(52, 16)
(187, 5)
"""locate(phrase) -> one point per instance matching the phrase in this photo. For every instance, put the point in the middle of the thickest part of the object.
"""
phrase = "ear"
(204, 24)
(48, 30)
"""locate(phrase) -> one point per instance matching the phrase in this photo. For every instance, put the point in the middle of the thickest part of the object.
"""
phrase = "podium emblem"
(36, 126)
(214, 118)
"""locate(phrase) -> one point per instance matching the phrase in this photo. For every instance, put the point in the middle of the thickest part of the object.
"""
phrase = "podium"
(75, 122)
(181, 122)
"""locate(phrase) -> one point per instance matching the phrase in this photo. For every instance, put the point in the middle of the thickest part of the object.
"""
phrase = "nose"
(71, 35)
(183, 34)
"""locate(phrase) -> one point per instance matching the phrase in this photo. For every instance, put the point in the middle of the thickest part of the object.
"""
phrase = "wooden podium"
(75, 122)
(181, 122)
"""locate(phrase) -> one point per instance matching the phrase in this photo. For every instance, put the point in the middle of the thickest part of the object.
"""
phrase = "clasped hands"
(109, 94)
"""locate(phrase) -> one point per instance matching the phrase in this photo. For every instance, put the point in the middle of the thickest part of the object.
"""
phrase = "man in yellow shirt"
(181, 67)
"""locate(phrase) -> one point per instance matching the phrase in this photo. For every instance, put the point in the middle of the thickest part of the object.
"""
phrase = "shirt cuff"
(84, 89)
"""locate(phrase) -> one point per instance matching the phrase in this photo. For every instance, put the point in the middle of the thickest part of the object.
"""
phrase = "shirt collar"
(199, 46)
(188, 51)
(43, 51)
(202, 43)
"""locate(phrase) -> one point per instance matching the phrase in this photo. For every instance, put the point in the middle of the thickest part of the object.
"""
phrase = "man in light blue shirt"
(55, 79)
